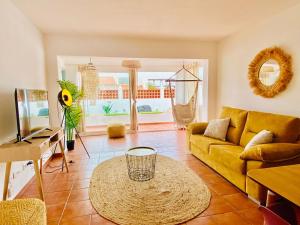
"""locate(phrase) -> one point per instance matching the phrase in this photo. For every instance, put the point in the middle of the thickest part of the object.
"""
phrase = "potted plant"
(74, 113)
(107, 108)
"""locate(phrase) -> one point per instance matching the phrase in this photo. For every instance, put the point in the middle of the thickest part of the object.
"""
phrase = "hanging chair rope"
(195, 78)
(184, 113)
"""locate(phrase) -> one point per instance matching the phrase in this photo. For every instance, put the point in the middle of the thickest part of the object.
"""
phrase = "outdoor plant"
(107, 108)
(73, 113)
(152, 87)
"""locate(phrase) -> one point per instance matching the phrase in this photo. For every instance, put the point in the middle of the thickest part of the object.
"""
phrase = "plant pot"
(70, 145)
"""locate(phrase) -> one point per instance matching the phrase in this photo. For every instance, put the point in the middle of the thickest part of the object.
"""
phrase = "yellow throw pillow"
(217, 128)
(263, 137)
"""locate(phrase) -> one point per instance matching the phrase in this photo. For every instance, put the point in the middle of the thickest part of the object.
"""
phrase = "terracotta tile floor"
(66, 194)
(163, 126)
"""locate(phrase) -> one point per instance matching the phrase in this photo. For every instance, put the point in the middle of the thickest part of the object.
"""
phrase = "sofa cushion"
(228, 156)
(262, 137)
(217, 129)
(275, 152)
(284, 128)
(196, 128)
(203, 143)
(236, 125)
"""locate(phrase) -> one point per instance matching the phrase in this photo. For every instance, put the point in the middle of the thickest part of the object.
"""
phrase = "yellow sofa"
(228, 157)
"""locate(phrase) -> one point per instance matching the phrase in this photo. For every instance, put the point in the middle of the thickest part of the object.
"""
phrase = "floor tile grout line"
(59, 221)
(90, 222)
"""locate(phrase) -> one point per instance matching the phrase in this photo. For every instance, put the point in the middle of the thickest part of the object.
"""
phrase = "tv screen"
(32, 112)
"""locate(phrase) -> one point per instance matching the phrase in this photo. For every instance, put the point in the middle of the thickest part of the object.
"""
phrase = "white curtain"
(132, 96)
(132, 66)
(185, 90)
(190, 86)
(194, 69)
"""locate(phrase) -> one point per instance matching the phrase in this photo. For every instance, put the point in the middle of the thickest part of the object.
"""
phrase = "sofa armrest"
(274, 152)
(197, 128)
(194, 128)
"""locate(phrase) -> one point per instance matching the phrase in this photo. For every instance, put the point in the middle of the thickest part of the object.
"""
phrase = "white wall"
(237, 51)
(21, 65)
(62, 45)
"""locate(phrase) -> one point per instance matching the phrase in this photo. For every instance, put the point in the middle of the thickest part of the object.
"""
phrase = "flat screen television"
(32, 110)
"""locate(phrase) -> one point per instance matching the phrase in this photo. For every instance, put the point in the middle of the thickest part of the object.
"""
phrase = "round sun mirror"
(269, 72)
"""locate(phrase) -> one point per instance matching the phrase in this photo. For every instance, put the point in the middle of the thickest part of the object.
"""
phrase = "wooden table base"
(33, 151)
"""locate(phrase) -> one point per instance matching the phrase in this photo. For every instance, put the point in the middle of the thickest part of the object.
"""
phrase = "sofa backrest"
(237, 122)
(284, 128)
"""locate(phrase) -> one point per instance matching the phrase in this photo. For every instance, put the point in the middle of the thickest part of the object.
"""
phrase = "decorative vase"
(70, 145)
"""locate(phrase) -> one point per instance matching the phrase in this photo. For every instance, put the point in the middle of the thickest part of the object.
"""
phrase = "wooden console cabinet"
(23, 151)
(282, 181)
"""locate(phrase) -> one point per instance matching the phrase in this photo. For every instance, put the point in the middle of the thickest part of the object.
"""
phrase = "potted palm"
(74, 113)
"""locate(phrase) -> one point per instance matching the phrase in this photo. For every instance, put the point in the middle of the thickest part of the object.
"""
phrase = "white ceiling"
(182, 19)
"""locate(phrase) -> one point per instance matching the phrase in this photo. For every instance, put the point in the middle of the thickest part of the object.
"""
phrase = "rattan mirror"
(270, 72)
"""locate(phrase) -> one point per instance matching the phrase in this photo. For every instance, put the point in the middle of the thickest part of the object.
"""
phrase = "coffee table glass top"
(141, 151)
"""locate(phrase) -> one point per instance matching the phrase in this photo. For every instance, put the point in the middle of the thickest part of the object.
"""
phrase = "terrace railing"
(142, 94)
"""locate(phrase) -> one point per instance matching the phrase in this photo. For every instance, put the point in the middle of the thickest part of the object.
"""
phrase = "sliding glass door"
(153, 101)
(111, 104)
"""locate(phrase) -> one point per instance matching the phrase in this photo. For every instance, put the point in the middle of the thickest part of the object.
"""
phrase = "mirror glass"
(269, 72)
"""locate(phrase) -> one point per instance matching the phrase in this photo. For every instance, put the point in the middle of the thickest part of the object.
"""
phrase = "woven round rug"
(175, 195)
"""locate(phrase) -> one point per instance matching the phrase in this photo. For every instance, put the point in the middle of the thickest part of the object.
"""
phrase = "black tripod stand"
(65, 99)
(63, 121)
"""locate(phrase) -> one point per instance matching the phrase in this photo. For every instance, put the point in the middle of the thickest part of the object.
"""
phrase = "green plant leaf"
(72, 88)
(107, 108)
(74, 112)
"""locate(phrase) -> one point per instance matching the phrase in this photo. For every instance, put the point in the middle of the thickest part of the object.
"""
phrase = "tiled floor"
(67, 197)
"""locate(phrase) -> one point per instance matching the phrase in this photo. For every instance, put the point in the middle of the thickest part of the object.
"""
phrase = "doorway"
(112, 103)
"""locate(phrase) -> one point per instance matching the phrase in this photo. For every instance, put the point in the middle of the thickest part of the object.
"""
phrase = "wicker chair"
(23, 212)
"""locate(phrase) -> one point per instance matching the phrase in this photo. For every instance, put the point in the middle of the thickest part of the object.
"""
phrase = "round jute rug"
(175, 195)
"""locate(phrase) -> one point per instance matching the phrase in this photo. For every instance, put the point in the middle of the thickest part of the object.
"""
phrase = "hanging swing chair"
(184, 100)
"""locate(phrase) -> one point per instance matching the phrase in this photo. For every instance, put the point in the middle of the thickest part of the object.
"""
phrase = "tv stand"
(37, 137)
(21, 151)
(29, 142)
(42, 134)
